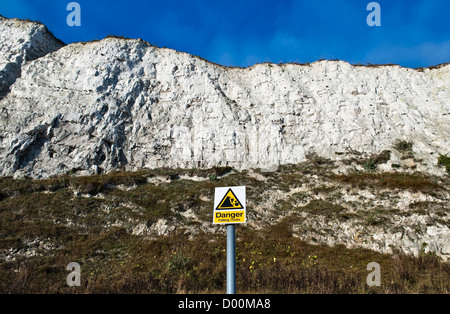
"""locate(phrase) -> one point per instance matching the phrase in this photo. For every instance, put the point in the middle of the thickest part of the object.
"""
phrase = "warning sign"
(229, 201)
(229, 205)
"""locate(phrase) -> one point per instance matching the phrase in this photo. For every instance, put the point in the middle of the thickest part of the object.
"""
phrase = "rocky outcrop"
(120, 103)
(94, 107)
(21, 42)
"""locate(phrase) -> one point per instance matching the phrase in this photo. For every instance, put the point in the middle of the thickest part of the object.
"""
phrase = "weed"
(444, 161)
(395, 180)
(324, 208)
(213, 177)
(44, 225)
(403, 146)
(318, 160)
(178, 263)
(382, 157)
(370, 165)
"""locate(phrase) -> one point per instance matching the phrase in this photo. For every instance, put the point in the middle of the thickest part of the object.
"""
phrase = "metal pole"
(231, 260)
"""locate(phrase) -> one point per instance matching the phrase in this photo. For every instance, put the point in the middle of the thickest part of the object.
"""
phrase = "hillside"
(110, 152)
(151, 231)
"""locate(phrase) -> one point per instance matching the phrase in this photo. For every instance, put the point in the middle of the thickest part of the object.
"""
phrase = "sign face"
(229, 205)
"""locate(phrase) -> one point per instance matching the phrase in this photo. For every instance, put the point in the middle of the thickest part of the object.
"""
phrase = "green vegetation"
(444, 161)
(392, 180)
(46, 224)
(370, 165)
(117, 262)
(376, 159)
(403, 146)
(406, 148)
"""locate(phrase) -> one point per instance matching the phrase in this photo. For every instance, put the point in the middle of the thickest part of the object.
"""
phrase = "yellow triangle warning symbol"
(229, 201)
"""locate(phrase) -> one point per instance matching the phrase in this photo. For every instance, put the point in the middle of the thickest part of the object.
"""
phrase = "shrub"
(444, 161)
(178, 263)
(370, 165)
(403, 146)
(377, 159)
(213, 177)
(396, 180)
(382, 157)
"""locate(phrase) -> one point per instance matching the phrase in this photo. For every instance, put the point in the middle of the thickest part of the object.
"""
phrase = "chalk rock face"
(120, 103)
(20, 42)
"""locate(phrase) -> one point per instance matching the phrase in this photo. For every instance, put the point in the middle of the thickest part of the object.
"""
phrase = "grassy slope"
(46, 224)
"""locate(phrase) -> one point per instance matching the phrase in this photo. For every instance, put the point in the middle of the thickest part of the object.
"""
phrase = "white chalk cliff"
(123, 103)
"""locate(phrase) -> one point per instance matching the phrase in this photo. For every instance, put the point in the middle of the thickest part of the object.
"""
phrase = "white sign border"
(240, 192)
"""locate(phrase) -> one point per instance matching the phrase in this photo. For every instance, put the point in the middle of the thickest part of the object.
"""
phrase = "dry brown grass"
(46, 216)
(391, 180)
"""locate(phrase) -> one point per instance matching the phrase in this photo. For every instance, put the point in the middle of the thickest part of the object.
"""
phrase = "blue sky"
(413, 33)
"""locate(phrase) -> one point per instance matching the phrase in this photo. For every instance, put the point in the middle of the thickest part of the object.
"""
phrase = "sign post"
(229, 210)
(231, 259)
